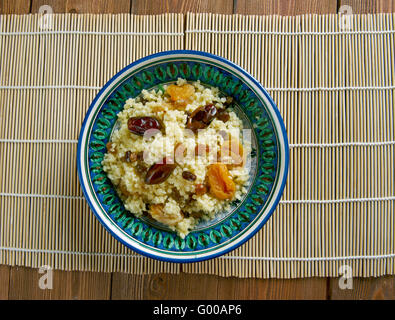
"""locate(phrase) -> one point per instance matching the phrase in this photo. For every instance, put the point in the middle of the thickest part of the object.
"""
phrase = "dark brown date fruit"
(204, 114)
(187, 175)
(159, 172)
(139, 125)
(201, 117)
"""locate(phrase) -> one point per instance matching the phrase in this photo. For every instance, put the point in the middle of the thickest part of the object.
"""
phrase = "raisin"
(139, 125)
(223, 115)
(185, 214)
(143, 100)
(159, 172)
(130, 156)
(140, 156)
(200, 189)
(187, 175)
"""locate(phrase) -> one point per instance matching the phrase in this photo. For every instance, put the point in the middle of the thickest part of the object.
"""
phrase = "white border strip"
(98, 33)
(299, 33)
(301, 259)
(277, 89)
(302, 201)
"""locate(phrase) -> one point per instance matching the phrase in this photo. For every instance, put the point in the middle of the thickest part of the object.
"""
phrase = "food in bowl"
(177, 155)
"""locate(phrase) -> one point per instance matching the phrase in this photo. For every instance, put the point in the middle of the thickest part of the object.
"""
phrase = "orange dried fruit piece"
(180, 152)
(221, 184)
(232, 148)
(158, 109)
(157, 212)
(111, 147)
(180, 96)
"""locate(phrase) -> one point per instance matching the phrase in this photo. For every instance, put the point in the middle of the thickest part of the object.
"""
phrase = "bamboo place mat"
(334, 87)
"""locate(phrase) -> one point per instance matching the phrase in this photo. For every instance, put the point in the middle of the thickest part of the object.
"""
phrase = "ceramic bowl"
(269, 157)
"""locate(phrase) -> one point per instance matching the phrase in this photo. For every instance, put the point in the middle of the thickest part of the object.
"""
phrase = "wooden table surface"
(22, 283)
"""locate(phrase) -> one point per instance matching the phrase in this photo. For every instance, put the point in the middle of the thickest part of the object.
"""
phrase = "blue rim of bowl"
(286, 155)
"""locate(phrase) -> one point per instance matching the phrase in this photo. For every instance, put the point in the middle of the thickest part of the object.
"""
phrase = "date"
(139, 125)
(201, 117)
(159, 172)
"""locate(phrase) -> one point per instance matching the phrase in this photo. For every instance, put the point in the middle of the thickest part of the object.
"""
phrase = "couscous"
(177, 155)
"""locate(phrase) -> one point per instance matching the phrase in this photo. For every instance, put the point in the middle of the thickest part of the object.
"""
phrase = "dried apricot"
(221, 184)
(180, 152)
(180, 96)
(233, 149)
(111, 148)
(156, 211)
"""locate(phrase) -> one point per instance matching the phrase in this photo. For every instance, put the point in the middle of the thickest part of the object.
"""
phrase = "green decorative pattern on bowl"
(269, 157)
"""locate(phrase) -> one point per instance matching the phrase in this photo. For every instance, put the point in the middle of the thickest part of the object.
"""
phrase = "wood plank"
(269, 289)
(15, 6)
(24, 284)
(382, 288)
(194, 287)
(285, 7)
(4, 282)
(369, 6)
(127, 286)
(163, 286)
(84, 6)
(181, 6)
(57, 6)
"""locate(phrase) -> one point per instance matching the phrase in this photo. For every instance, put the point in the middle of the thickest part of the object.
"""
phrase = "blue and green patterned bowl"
(269, 157)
